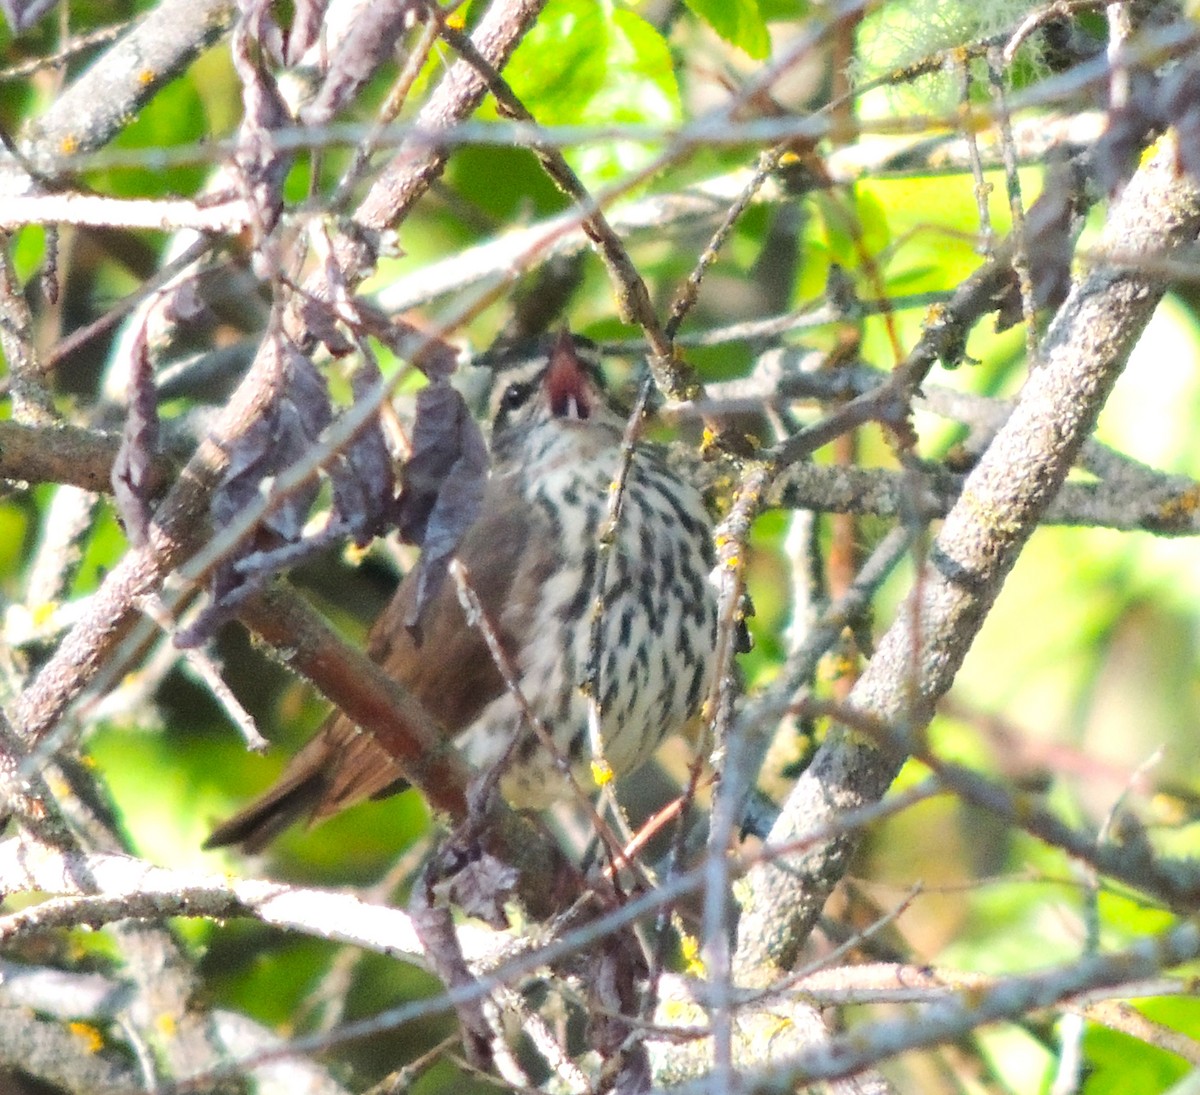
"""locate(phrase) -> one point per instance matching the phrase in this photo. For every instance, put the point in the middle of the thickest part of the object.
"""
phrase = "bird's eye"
(514, 395)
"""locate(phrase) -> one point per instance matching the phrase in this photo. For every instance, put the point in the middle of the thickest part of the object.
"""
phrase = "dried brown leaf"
(442, 485)
(306, 28)
(434, 356)
(371, 41)
(133, 468)
(481, 889)
(1051, 226)
(364, 482)
(273, 442)
(262, 165)
(1131, 126)
(24, 13)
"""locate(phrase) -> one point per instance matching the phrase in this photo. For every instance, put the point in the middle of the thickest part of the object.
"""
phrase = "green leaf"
(562, 62)
(1117, 1063)
(739, 22)
(783, 9)
(174, 117)
(13, 530)
(594, 64)
(640, 89)
(29, 250)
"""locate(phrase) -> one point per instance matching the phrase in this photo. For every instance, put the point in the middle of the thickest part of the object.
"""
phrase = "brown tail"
(337, 768)
(264, 819)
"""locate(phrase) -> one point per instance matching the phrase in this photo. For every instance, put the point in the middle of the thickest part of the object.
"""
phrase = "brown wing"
(449, 671)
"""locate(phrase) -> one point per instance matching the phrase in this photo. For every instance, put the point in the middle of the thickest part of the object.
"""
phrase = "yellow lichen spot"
(1181, 506)
(602, 772)
(167, 1026)
(733, 562)
(775, 1027)
(689, 948)
(743, 894)
(58, 786)
(679, 1012)
(1170, 809)
(458, 20)
(68, 146)
(837, 666)
(43, 613)
(146, 77)
(93, 1041)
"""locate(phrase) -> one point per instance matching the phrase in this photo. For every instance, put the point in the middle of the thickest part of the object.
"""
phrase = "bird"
(535, 559)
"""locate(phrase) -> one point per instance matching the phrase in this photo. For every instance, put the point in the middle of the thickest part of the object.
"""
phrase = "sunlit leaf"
(737, 21)
(593, 64)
